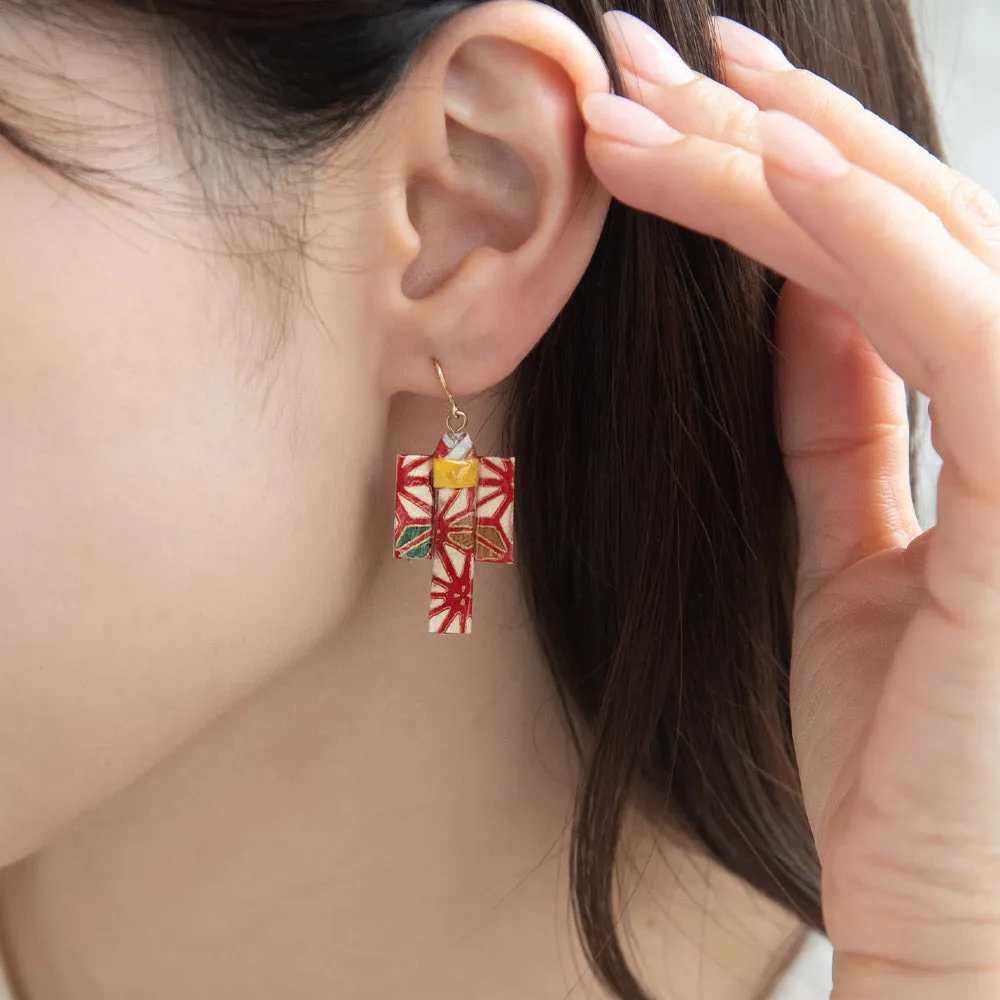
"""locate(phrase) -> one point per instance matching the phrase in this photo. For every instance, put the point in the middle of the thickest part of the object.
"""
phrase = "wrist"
(860, 977)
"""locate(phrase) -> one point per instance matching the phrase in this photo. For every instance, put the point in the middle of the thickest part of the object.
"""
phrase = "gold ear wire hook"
(457, 416)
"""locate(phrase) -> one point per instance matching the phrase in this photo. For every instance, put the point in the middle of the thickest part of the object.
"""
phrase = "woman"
(254, 249)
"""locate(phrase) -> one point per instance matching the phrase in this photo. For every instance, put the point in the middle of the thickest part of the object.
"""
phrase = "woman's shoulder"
(810, 976)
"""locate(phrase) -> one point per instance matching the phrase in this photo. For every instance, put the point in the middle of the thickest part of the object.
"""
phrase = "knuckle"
(740, 124)
(800, 79)
(737, 169)
(974, 205)
(983, 344)
(828, 96)
(974, 353)
(714, 111)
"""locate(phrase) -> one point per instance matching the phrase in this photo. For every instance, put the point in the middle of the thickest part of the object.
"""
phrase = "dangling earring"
(455, 509)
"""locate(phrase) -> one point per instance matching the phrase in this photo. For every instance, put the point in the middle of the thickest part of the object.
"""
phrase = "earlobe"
(504, 207)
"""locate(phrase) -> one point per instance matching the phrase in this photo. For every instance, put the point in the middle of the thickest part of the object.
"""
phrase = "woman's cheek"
(168, 538)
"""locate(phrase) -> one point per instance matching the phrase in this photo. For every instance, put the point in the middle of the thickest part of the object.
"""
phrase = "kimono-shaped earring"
(455, 509)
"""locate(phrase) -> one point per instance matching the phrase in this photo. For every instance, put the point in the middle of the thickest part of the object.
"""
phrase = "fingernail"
(649, 54)
(625, 121)
(800, 149)
(744, 46)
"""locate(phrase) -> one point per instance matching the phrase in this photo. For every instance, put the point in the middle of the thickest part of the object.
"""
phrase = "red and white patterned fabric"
(454, 528)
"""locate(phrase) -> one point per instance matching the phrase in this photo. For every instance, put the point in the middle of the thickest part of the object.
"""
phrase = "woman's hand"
(896, 662)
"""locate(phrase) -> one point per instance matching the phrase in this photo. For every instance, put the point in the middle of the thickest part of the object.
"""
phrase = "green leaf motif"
(411, 535)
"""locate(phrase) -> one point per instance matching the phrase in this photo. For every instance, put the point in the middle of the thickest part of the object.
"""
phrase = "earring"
(455, 509)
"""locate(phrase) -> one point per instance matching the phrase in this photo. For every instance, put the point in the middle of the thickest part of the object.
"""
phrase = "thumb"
(844, 433)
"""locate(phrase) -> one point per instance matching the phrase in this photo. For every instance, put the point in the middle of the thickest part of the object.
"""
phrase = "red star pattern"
(455, 529)
(495, 511)
(414, 507)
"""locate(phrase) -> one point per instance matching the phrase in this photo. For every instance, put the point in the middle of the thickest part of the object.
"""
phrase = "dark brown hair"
(656, 528)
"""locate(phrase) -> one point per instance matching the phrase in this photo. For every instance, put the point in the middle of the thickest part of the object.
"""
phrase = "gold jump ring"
(458, 419)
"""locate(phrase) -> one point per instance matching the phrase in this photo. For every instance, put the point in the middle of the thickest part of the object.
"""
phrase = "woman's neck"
(389, 819)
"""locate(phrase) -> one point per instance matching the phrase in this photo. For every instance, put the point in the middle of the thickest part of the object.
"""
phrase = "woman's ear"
(494, 211)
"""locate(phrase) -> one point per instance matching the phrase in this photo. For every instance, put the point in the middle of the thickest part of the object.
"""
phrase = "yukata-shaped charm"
(455, 509)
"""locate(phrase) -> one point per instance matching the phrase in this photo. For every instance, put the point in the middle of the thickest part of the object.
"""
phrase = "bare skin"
(233, 762)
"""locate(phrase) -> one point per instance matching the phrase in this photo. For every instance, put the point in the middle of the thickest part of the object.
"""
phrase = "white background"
(962, 53)
(961, 42)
